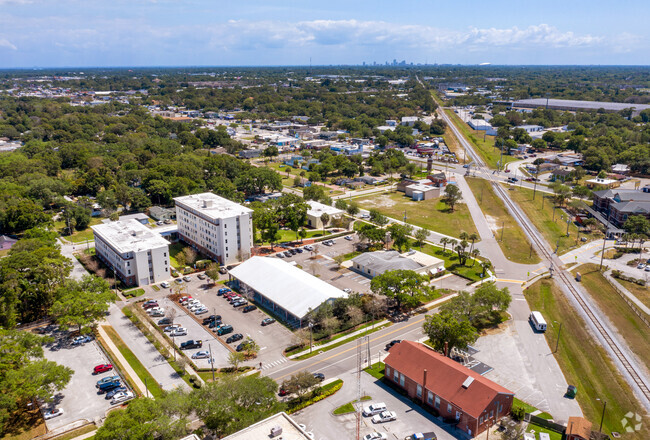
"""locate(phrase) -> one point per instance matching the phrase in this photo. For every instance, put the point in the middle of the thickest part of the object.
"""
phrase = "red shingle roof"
(579, 426)
(445, 377)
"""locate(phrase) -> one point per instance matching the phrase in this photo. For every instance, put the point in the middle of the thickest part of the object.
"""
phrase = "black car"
(249, 308)
(299, 250)
(391, 343)
(191, 344)
(319, 376)
(211, 318)
(243, 346)
(293, 251)
(165, 321)
(214, 323)
(267, 321)
(234, 338)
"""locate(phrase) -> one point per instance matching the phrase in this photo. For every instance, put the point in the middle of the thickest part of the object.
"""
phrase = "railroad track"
(562, 274)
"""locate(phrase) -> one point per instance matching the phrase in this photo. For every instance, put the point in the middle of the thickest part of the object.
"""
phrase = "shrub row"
(333, 388)
(621, 276)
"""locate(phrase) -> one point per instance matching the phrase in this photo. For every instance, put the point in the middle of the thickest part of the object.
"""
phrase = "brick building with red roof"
(454, 391)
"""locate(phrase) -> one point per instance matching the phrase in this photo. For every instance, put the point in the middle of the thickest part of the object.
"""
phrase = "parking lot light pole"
(311, 346)
(211, 361)
(602, 417)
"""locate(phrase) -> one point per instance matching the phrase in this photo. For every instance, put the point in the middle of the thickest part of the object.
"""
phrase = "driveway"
(145, 351)
(79, 399)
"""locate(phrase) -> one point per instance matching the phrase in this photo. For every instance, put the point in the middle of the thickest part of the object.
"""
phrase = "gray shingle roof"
(383, 261)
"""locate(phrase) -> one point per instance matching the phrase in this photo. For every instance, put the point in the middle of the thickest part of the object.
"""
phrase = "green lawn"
(628, 324)
(583, 361)
(431, 214)
(485, 148)
(471, 272)
(349, 407)
(514, 243)
(79, 236)
(553, 229)
(154, 389)
(529, 408)
(537, 428)
(642, 293)
(376, 370)
(133, 293)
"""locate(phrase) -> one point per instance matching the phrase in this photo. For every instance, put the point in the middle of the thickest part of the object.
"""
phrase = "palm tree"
(444, 241)
(464, 236)
(485, 265)
(474, 253)
(472, 237)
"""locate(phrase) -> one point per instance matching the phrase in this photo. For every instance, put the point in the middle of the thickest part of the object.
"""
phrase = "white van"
(538, 322)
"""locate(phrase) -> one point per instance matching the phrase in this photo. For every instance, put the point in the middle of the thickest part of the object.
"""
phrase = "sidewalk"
(627, 293)
(116, 353)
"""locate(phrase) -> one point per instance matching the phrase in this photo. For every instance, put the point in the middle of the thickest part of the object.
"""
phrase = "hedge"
(331, 389)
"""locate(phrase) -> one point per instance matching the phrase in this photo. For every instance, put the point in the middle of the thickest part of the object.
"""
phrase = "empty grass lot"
(485, 148)
(471, 271)
(584, 362)
(553, 230)
(286, 235)
(431, 214)
(628, 324)
(515, 244)
(79, 236)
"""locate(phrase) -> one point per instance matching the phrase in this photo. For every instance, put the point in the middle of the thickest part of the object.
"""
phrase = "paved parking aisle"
(79, 399)
(145, 351)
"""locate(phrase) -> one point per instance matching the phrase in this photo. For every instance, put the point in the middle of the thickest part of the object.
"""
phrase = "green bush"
(518, 413)
(295, 405)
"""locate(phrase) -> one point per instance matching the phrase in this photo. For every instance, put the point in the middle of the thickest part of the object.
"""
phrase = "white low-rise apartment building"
(216, 227)
(137, 255)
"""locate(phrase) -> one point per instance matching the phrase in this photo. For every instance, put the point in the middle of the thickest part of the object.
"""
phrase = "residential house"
(316, 211)
(409, 121)
(559, 175)
(250, 154)
(451, 390)
(368, 180)
(372, 264)
(160, 214)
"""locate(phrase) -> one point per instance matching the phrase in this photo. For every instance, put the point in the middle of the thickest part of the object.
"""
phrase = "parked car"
(150, 305)
(81, 340)
(191, 344)
(299, 250)
(171, 327)
(187, 278)
(234, 338)
(106, 379)
(243, 346)
(158, 313)
(647, 268)
(156, 310)
(201, 355)
(391, 343)
(54, 412)
(180, 331)
(178, 280)
(224, 329)
(319, 376)
(102, 368)
(223, 270)
(210, 318)
(222, 291)
(165, 321)
(165, 285)
(383, 417)
(201, 311)
(308, 247)
(375, 436)
(267, 321)
(293, 251)
(240, 303)
(287, 254)
(109, 386)
(214, 323)
(641, 266)
(115, 391)
(347, 290)
(349, 238)
(374, 408)
(249, 308)
(201, 276)
(121, 397)
(149, 301)
(282, 392)
(280, 255)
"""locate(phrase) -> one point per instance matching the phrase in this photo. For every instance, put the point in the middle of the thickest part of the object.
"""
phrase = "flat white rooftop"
(129, 236)
(262, 429)
(212, 206)
(318, 209)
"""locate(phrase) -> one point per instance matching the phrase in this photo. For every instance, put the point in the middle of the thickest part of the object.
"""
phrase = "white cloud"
(7, 44)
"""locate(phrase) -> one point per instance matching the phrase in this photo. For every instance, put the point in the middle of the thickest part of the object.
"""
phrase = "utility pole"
(602, 253)
(503, 227)
(568, 222)
(311, 344)
(559, 332)
(211, 361)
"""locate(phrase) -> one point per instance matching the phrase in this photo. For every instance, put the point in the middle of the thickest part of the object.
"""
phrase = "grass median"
(552, 227)
(584, 362)
(511, 237)
(144, 375)
(432, 214)
(349, 407)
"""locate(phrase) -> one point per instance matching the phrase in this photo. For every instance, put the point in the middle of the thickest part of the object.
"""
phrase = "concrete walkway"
(645, 309)
(145, 351)
(118, 355)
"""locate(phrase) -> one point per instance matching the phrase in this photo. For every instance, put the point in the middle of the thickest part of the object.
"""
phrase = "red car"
(102, 368)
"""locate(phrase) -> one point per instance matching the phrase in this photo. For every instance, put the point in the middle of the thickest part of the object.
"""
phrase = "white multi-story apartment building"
(136, 254)
(216, 227)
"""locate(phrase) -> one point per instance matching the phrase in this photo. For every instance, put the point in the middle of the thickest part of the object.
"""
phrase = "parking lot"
(79, 399)
(320, 262)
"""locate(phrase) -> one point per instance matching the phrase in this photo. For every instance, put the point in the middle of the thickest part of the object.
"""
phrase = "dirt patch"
(381, 202)
(496, 330)
(493, 222)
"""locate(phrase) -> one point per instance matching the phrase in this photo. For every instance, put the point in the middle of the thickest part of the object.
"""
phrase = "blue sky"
(55, 33)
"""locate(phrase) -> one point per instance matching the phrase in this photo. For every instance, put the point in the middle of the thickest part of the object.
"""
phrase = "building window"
(437, 402)
(457, 415)
(395, 375)
(388, 371)
(418, 390)
(401, 379)
(449, 408)
(430, 397)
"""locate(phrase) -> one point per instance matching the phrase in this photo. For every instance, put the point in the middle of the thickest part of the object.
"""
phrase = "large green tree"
(452, 196)
(82, 303)
(406, 287)
(444, 328)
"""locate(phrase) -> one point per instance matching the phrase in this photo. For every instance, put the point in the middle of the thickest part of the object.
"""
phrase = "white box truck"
(538, 322)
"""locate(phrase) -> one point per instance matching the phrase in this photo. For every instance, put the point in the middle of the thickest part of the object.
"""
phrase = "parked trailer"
(538, 321)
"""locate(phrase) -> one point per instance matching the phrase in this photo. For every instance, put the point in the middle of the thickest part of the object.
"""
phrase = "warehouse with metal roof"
(575, 105)
(281, 288)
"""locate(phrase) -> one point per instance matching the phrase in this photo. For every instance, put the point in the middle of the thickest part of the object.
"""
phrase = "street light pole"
(602, 253)
(568, 222)
(602, 417)
(311, 346)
